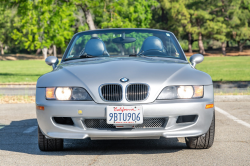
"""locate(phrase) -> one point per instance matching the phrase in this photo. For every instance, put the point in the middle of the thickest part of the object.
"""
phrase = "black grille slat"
(147, 123)
(137, 92)
(111, 92)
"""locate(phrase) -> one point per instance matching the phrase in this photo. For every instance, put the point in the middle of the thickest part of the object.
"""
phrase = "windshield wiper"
(81, 56)
(87, 56)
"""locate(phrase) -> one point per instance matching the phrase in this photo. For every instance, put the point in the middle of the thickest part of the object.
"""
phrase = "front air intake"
(137, 92)
(111, 92)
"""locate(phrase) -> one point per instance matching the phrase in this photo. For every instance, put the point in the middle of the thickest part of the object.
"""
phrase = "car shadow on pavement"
(14, 138)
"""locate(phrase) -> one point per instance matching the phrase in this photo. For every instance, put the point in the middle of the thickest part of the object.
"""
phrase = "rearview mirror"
(195, 59)
(52, 61)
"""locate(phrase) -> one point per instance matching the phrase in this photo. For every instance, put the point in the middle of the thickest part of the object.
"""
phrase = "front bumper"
(170, 109)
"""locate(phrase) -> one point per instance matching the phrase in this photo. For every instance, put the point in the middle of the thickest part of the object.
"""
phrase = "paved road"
(18, 143)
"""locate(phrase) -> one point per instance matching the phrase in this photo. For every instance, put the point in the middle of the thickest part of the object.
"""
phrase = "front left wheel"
(204, 141)
(46, 144)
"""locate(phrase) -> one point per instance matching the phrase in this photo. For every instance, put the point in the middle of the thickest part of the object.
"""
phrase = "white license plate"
(124, 115)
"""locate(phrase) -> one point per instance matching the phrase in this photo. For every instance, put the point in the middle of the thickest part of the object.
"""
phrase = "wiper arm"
(87, 56)
(80, 57)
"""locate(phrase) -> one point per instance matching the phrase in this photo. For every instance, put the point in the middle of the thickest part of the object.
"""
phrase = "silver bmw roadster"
(125, 84)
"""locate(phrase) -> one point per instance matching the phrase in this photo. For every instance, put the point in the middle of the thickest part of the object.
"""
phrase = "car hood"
(155, 72)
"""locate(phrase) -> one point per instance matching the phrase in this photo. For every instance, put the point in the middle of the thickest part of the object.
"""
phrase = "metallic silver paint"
(92, 73)
(158, 108)
(157, 73)
(196, 59)
(52, 61)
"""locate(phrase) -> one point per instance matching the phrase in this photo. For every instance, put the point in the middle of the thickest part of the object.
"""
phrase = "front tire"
(45, 144)
(204, 141)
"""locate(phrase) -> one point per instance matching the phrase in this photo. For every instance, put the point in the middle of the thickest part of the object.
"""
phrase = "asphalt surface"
(18, 143)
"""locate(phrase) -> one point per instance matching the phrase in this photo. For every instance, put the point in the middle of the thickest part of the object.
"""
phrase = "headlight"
(181, 92)
(185, 92)
(67, 93)
(63, 93)
(80, 94)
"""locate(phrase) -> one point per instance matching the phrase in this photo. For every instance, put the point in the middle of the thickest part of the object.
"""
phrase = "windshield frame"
(72, 41)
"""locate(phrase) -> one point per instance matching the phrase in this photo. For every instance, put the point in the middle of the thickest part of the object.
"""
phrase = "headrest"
(95, 47)
(152, 43)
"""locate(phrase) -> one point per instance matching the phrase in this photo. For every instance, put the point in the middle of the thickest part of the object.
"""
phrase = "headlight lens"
(168, 92)
(67, 93)
(185, 92)
(80, 94)
(181, 92)
(63, 93)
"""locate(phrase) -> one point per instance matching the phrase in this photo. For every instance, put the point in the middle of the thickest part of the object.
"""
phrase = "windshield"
(124, 43)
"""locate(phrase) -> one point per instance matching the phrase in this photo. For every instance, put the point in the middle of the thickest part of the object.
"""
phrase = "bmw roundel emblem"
(124, 79)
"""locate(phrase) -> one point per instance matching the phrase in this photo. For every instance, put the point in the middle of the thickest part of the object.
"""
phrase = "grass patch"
(16, 99)
(235, 68)
(22, 70)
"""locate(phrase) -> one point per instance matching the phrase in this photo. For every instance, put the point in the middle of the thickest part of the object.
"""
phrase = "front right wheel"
(204, 141)
(46, 144)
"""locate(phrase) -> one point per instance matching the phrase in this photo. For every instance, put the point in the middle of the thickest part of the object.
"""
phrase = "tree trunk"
(88, 17)
(45, 50)
(38, 51)
(50, 50)
(201, 47)
(122, 49)
(1, 47)
(223, 48)
(190, 43)
(240, 45)
(2, 51)
(54, 50)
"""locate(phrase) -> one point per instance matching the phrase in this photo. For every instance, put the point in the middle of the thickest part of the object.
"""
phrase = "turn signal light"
(209, 106)
(50, 93)
(198, 91)
(40, 107)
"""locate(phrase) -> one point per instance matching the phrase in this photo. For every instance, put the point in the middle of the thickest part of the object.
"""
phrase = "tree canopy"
(43, 24)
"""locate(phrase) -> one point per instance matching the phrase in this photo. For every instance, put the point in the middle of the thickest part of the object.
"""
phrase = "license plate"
(124, 115)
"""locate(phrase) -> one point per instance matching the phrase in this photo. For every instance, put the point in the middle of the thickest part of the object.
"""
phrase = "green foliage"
(127, 13)
(34, 24)
(43, 23)
(7, 21)
(239, 19)
(184, 44)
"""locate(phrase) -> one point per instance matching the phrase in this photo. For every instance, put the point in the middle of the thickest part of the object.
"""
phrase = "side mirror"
(195, 59)
(52, 61)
